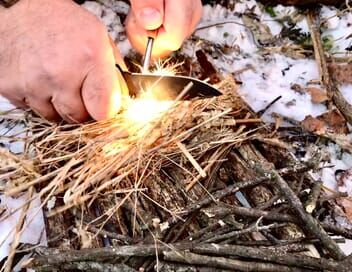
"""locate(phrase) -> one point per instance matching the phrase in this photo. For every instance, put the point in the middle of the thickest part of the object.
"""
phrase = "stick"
(309, 222)
(234, 234)
(311, 203)
(341, 103)
(231, 189)
(220, 262)
(278, 217)
(270, 255)
(87, 266)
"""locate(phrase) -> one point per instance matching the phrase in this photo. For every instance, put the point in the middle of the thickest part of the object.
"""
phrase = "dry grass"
(81, 163)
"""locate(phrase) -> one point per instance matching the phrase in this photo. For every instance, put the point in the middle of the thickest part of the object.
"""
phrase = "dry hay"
(173, 180)
(119, 156)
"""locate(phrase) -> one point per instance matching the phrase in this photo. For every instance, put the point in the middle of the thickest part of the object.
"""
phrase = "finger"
(117, 55)
(101, 91)
(149, 13)
(137, 35)
(43, 108)
(70, 106)
(171, 37)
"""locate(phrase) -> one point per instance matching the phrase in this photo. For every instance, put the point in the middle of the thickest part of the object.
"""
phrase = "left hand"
(175, 21)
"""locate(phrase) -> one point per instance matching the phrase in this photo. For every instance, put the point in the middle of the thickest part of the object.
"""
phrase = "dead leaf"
(347, 206)
(317, 95)
(335, 121)
(343, 177)
(329, 122)
(297, 88)
(314, 125)
(342, 73)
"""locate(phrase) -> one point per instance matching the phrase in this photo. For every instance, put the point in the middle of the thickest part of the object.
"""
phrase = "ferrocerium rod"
(147, 55)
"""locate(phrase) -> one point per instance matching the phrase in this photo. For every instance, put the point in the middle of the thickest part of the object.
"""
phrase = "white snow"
(339, 27)
(346, 90)
(34, 232)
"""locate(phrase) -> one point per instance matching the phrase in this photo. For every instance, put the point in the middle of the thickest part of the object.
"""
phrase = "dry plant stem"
(270, 255)
(215, 157)
(220, 262)
(191, 159)
(329, 83)
(19, 229)
(311, 203)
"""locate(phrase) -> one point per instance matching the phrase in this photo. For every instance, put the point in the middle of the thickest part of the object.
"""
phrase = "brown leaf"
(317, 95)
(347, 206)
(342, 73)
(331, 121)
(314, 125)
(343, 177)
(335, 121)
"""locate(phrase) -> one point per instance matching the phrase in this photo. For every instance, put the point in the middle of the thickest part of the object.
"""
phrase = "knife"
(165, 87)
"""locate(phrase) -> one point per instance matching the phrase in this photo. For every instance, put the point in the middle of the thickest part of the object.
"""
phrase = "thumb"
(148, 13)
(102, 91)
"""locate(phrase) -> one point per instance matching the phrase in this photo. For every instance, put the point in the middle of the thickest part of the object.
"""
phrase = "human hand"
(57, 58)
(174, 19)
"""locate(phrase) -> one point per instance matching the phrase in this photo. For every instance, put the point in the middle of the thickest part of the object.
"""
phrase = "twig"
(230, 236)
(231, 189)
(278, 217)
(311, 203)
(270, 255)
(309, 222)
(226, 263)
(87, 266)
(341, 103)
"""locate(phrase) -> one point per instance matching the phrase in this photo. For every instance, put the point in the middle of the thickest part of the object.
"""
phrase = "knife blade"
(167, 87)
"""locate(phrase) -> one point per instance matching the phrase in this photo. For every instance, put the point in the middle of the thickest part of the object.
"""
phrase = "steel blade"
(168, 87)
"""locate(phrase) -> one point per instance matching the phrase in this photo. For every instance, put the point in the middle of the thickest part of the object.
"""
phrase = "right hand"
(57, 59)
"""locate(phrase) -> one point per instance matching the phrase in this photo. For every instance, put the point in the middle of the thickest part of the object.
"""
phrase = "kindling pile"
(202, 184)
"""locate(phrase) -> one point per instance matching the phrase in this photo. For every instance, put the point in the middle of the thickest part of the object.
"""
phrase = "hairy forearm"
(7, 3)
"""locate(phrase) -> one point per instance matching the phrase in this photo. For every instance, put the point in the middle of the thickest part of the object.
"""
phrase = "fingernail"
(150, 18)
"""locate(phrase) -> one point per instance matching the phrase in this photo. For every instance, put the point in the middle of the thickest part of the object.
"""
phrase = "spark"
(146, 108)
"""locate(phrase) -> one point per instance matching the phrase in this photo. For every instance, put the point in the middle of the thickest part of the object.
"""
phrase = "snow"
(339, 27)
(34, 232)
(346, 90)
(265, 77)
